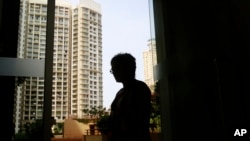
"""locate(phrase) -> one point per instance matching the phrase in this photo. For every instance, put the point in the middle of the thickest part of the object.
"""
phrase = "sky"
(126, 28)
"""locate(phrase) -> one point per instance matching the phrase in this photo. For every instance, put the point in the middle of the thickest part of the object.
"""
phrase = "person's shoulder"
(141, 83)
(142, 88)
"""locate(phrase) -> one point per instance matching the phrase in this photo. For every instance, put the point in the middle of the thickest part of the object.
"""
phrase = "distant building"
(150, 61)
(86, 72)
(77, 63)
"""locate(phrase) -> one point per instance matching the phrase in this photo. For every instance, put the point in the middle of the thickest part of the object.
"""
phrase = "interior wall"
(203, 50)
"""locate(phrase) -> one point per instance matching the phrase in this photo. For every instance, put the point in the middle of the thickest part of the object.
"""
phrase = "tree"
(155, 118)
(32, 131)
(95, 112)
(101, 116)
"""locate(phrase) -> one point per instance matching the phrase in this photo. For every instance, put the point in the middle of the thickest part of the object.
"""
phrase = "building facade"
(77, 60)
(86, 60)
(150, 62)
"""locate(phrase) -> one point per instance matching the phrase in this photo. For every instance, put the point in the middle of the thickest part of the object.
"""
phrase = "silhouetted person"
(130, 110)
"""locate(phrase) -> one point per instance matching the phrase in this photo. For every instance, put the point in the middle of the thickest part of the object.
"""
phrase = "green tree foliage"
(101, 116)
(58, 129)
(102, 124)
(95, 112)
(32, 131)
(155, 118)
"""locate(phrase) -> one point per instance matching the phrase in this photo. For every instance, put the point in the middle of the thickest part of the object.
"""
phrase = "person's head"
(123, 66)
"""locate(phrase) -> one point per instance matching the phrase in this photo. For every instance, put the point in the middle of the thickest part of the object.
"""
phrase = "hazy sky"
(126, 28)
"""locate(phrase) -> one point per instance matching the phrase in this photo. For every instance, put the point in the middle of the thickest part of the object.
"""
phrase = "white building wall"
(77, 63)
(32, 45)
(86, 58)
(150, 60)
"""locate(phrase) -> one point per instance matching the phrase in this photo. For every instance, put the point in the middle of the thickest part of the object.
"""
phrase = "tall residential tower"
(150, 61)
(77, 59)
(86, 60)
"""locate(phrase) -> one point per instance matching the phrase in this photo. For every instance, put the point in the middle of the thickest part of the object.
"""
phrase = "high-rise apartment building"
(32, 45)
(77, 59)
(86, 60)
(150, 61)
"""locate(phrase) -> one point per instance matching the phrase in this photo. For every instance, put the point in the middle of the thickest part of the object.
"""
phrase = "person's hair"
(125, 61)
